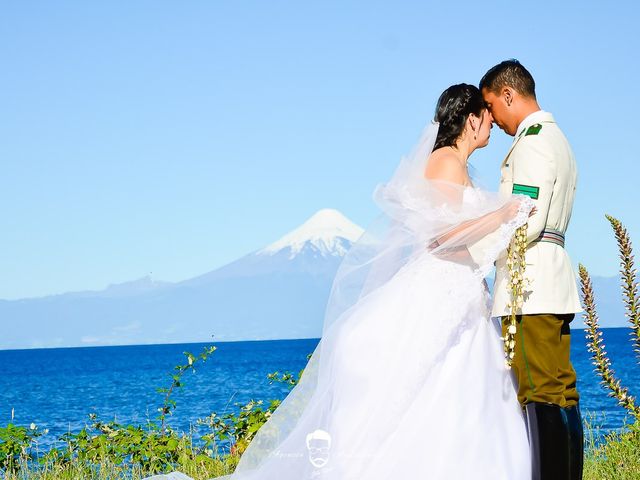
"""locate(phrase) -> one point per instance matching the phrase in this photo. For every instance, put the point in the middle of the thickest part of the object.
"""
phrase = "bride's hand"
(514, 207)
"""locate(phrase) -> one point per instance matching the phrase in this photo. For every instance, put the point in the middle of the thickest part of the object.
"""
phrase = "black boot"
(549, 441)
(576, 441)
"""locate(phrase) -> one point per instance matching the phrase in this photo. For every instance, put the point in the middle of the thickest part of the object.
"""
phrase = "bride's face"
(484, 125)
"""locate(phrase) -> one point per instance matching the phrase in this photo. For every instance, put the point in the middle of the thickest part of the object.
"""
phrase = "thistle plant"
(628, 281)
(595, 342)
(516, 264)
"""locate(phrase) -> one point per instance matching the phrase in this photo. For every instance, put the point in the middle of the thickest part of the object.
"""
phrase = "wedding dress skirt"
(415, 388)
(408, 380)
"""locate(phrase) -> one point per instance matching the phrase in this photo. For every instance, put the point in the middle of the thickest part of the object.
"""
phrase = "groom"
(540, 164)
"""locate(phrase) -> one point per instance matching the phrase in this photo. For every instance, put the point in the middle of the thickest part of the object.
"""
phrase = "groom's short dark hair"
(509, 73)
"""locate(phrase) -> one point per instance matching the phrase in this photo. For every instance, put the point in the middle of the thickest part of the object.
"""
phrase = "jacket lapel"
(536, 117)
(515, 141)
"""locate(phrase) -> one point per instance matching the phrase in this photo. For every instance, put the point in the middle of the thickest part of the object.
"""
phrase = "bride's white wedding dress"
(408, 380)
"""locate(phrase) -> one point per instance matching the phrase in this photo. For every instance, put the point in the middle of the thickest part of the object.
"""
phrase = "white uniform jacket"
(541, 164)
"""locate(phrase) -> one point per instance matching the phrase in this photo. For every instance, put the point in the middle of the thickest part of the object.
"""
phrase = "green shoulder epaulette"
(534, 129)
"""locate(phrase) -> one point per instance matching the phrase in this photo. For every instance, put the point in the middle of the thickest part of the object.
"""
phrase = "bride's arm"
(477, 228)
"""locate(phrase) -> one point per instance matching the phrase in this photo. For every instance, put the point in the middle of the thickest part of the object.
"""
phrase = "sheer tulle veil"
(418, 217)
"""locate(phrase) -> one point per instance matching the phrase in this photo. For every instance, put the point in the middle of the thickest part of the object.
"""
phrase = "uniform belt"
(552, 236)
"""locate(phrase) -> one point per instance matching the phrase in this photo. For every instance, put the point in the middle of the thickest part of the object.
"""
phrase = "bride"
(408, 380)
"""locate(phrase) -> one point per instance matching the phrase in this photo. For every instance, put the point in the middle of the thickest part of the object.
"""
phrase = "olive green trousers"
(542, 363)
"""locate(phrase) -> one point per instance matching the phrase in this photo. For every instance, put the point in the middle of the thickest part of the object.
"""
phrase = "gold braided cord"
(516, 264)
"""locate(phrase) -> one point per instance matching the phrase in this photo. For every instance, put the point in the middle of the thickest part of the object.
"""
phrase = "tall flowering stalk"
(628, 281)
(596, 346)
(516, 264)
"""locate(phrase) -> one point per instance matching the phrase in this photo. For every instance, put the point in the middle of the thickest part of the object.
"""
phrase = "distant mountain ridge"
(277, 292)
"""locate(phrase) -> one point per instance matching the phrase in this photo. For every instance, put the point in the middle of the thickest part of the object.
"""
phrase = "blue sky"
(173, 137)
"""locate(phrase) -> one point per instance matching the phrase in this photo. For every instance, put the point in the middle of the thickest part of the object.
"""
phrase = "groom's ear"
(507, 94)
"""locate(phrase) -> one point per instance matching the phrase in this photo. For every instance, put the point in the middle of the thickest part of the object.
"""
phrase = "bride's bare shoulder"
(443, 164)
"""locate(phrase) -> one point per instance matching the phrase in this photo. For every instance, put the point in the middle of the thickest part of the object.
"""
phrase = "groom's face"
(501, 113)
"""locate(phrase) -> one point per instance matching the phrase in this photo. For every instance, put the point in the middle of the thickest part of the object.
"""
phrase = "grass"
(615, 458)
(109, 471)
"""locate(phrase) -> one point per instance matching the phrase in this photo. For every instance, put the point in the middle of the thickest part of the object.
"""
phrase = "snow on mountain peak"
(326, 232)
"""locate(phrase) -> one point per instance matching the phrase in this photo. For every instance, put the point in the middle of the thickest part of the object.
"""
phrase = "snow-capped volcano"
(280, 291)
(328, 233)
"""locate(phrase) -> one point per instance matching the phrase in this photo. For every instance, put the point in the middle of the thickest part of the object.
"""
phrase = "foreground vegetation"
(109, 450)
(618, 458)
(615, 458)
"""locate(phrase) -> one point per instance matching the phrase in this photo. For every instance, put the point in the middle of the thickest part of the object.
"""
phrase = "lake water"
(58, 388)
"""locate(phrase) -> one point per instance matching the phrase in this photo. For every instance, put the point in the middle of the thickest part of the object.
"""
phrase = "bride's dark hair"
(454, 107)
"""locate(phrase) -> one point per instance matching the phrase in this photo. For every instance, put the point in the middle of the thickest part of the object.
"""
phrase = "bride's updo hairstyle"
(454, 107)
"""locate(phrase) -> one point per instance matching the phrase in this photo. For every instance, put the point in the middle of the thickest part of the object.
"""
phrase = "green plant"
(239, 429)
(100, 443)
(595, 342)
(628, 280)
(150, 449)
(18, 445)
(617, 457)
(169, 404)
(108, 449)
